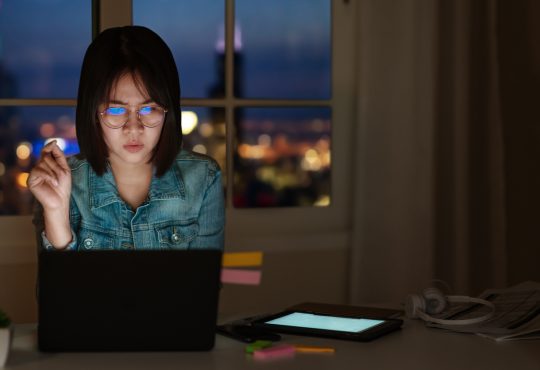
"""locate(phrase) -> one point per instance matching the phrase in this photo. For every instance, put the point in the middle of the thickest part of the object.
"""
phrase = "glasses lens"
(115, 116)
(151, 115)
(116, 111)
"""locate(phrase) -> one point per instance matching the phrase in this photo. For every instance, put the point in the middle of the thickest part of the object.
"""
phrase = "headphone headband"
(413, 310)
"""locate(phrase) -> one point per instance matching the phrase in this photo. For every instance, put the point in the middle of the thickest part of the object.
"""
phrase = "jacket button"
(175, 237)
(88, 243)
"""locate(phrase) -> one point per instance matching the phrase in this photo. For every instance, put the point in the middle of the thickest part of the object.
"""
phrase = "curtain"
(431, 197)
(518, 34)
(470, 227)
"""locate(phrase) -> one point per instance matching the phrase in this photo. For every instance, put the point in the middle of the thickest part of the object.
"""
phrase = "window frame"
(280, 228)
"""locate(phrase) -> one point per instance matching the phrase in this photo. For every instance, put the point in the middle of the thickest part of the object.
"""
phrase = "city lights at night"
(189, 122)
(281, 156)
(24, 150)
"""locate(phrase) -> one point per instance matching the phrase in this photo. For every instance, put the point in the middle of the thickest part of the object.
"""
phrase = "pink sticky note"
(282, 351)
(238, 276)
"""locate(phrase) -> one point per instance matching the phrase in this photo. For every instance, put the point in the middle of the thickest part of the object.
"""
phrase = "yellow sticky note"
(242, 259)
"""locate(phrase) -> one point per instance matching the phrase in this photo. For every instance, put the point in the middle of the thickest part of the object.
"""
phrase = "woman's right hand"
(50, 179)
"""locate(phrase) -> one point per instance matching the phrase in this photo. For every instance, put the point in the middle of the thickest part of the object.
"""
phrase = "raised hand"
(50, 179)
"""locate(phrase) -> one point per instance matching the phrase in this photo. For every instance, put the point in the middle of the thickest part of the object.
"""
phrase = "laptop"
(128, 300)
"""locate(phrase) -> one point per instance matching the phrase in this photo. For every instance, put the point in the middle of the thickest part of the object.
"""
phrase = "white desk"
(414, 347)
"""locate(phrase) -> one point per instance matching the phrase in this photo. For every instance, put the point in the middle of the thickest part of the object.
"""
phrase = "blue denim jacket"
(184, 209)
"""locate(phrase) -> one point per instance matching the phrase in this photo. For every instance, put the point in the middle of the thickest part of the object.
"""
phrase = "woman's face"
(133, 143)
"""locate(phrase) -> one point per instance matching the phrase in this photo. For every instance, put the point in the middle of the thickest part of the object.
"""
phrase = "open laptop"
(128, 300)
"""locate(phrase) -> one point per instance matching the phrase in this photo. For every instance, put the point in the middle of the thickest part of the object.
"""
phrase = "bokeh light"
(189, 122)
(200, 148)
(24, 150)
(206, 129)
(47, 129)
(22, 178)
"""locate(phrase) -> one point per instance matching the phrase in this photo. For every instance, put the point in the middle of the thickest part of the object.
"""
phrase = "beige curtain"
(430, 198)
(470, 225)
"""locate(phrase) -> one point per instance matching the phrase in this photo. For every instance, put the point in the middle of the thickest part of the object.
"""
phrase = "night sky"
(284, 53)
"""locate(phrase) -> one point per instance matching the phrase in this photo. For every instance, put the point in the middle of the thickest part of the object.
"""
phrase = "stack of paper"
(517, 314)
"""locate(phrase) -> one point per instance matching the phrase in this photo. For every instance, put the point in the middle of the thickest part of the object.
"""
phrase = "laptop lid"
(128, 300)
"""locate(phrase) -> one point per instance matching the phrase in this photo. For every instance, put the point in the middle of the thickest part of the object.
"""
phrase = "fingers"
(40, 175)
(60, 157)
(53, 151)
(51, 167)
(49, 147)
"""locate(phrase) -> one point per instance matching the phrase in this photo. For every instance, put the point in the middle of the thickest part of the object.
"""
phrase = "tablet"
(331, 326)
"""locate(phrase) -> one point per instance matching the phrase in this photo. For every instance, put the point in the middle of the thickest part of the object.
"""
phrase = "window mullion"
(37, 102)
(229, 96)
(114, 13)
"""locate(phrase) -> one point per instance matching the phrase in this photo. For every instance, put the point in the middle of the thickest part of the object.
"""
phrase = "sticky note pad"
(238, 276)
(282, 351)
(242, 259)
(257, 345)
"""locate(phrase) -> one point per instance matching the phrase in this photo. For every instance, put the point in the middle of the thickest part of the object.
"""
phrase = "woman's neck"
(133, 182)
(132, 174)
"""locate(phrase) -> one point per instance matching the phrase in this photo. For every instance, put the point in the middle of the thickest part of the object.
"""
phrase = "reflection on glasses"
(149, 115)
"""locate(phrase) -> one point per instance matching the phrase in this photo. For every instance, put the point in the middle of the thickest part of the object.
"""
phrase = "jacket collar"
(103, 190)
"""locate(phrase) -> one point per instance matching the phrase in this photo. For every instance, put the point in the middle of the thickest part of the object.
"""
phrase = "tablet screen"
(323, 322)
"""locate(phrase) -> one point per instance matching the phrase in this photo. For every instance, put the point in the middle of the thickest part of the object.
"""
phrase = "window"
(42, 45)
(280, 156)
(266, 87)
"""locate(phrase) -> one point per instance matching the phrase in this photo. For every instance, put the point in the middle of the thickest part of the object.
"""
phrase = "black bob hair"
(143, 54)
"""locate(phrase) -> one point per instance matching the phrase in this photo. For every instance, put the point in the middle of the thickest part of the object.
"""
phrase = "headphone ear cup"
(435, 301)
(414, 304)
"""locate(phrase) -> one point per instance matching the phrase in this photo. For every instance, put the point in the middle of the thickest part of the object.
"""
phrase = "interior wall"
(318, 275)
(18, 293)
(18, 271)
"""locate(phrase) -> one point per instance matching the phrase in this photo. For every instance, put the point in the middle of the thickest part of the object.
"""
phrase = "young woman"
(131, 186)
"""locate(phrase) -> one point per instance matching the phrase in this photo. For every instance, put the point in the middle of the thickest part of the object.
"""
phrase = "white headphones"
(433, 301)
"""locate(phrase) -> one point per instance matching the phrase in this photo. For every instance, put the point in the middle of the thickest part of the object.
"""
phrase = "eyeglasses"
(149, 115)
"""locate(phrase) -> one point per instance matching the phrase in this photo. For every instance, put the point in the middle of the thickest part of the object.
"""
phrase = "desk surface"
(414, 347)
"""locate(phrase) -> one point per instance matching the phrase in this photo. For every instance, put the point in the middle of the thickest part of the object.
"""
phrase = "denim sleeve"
(212, 214)
(39, 225)
(72, 246)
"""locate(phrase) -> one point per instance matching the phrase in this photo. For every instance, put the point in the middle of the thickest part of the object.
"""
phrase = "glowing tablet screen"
(308, 320)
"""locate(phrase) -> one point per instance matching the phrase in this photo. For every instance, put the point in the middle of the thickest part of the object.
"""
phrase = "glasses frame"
(104, 120)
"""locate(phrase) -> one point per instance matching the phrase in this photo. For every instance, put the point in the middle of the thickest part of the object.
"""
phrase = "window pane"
(204, 132)
(194, 32)
(283, 49)
(282, 157)
(23, 132)
(42, 44)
